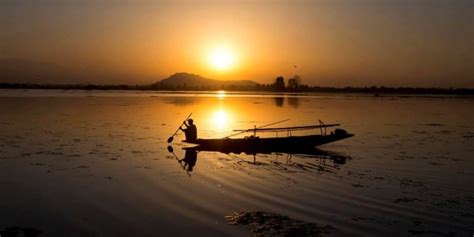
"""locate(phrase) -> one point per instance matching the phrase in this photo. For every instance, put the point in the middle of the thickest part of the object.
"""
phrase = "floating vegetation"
(38, 164)
(269, 224)
(404, 199)
(357, 185)
(434, 124)
(14, 231)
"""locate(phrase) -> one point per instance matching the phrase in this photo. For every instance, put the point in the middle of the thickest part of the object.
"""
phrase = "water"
(95, 163)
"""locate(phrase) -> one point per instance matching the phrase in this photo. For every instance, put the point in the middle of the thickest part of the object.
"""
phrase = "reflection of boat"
(308, 152)
(255, 144)
(318, 158)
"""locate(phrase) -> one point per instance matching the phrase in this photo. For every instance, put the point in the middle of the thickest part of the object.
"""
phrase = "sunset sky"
(425, 43)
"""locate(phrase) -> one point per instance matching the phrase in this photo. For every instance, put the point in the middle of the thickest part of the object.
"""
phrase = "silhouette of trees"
(294, 83)
(279, 84)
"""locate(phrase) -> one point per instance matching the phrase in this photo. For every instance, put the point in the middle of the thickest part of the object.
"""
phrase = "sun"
(222, 58)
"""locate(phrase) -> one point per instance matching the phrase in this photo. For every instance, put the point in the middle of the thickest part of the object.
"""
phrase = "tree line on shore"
(279, 85)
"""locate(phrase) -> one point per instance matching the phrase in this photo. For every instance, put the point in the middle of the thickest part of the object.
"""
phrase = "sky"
(426, 43)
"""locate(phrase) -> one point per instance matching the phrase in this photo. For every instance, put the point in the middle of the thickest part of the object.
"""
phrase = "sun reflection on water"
(220, 94)
(220, 119)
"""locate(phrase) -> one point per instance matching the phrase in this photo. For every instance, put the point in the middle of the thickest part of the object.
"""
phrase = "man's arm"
(181, 127)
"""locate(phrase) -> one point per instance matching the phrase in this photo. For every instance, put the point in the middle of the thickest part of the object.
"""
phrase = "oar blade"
(170, 148)
(170, 139)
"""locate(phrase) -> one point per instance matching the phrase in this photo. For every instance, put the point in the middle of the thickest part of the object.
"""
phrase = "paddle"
(170, 139)
(249, 130)
(170, 149)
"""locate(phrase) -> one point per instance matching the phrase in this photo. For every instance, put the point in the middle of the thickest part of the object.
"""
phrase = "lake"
(96, 163)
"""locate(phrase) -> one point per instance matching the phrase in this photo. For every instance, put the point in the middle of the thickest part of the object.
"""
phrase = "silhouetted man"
(190, 131)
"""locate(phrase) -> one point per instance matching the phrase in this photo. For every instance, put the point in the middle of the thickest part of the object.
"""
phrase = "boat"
(256, 144)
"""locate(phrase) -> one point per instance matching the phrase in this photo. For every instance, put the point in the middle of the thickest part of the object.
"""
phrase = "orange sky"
(336, 43)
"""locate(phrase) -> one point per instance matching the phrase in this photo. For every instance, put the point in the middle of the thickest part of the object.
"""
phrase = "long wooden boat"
(274, 144)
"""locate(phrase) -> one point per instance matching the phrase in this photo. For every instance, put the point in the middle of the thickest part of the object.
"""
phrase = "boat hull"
(256, 144)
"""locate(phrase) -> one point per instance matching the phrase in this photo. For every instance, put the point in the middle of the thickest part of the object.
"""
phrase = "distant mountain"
(23, 71)
(183, 79)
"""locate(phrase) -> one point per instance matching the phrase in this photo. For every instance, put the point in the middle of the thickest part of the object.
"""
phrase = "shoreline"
(373, 90)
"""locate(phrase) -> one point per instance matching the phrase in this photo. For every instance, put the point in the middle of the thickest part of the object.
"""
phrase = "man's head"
(190, 121)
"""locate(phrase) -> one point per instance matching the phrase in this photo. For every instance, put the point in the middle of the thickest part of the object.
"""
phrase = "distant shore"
(375, 90)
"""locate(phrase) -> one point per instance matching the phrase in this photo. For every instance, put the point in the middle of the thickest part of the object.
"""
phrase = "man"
(190, 131)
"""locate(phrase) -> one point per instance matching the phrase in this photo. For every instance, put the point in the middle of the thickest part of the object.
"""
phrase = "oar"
(249, 130)
(170, 149)
(170, 139)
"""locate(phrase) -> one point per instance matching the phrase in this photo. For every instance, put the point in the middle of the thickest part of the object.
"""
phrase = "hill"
(188, 80)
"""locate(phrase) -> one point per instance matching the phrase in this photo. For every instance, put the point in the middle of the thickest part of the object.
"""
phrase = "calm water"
(96, 163)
